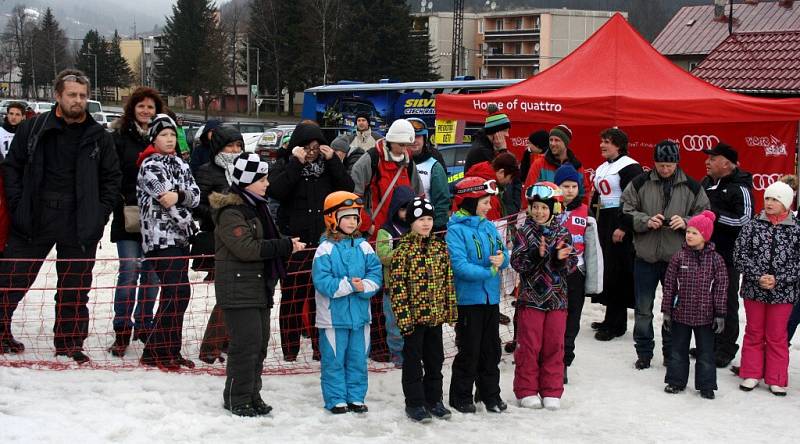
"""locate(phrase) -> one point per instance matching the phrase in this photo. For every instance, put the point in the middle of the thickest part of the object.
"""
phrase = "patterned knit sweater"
(543, 279)
(421, 283)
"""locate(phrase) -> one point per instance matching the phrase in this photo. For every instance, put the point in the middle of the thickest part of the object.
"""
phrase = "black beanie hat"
(540, 139)
(418, 208)
(667, 151)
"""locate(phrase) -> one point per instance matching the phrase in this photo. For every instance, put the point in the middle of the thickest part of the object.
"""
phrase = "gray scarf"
(315, 168)
(226, 162)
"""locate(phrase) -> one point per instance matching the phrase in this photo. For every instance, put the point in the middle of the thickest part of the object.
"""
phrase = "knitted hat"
(781, 192)
(248, 169)
(540, 139)
(418, 208)
(341, 144)
(704, 222)
(159, 123)
(567, 172)
(401, 131)
(667, 151)
(496, 122)
(562, 132)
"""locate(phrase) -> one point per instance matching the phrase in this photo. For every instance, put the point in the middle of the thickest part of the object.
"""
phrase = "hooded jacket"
(470, 241)
(696, 286)
(242, 254)
(97, 176)
(302, 198)
(645, 197)
(543, 279)
(165, 227)
(211, 177)
(731, 200)
(763, 248)
(393, 228)
(336, 263)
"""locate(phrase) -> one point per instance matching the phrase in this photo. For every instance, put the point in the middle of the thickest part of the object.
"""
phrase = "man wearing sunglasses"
(62, 180)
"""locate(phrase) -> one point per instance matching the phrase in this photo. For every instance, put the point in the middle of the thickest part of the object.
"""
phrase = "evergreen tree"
(49, 48)
(119, 70)
(92, 59)
(194, 56)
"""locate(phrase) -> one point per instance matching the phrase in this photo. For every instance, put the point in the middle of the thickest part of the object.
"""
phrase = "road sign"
(259, 102)
(254, 90)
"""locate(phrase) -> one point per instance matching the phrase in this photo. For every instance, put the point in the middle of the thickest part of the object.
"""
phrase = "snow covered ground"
(607, 400)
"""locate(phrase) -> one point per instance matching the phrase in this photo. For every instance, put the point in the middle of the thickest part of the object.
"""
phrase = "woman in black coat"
(214, 177)
(130, 139)
(302, 178)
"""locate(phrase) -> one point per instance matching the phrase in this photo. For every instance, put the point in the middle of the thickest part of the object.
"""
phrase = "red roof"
(616, 78)
(765, 62)
(704, 34)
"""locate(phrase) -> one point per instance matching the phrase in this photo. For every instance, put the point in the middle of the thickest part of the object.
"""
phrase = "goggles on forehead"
(490, 186)
(417, 124)
(540, 191)
(74, 78)
(345, 203)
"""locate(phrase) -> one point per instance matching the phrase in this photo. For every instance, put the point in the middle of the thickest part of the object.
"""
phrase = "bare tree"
(264, 33)
(232, 14)
(18, 31)
(328, 18)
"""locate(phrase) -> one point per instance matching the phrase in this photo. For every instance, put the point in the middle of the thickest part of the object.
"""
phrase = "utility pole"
(458, 38)
(95, 72)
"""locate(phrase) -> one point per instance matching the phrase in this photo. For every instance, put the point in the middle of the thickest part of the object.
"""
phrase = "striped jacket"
(731, 199)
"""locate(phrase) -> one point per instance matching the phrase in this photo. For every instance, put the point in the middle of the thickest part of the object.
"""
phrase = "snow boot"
(673, 389)
(607, 335)
(10, 345)
(122, 340)
(777, 390)
(466, 407)
(707, 394)
(418, 414)
(530, 402)
(357, 407)
(551, 403)
(642, 363)
(245, 410)
(339, 409)
(77, 355)
(496, 405)
(748, 384)
(439, 411)
(261, 407)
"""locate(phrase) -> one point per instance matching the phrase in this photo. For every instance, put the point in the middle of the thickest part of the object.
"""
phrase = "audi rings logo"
(699, 143)
(762, 181)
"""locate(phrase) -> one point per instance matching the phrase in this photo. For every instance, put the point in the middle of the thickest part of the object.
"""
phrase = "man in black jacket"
(730, 191)
(62, 180)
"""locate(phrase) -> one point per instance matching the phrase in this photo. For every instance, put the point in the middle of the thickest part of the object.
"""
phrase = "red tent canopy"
(615, 78)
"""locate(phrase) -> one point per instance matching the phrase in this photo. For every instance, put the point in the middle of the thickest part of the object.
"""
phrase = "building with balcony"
(519, 44)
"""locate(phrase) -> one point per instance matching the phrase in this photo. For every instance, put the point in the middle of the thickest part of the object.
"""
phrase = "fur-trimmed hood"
(222, 200)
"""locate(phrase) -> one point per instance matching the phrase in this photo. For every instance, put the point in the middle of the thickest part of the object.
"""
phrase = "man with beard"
(15, 114)
(62, 180)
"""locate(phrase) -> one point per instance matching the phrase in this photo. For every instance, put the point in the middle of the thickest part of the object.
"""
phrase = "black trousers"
(57, 228)
(423, 350)
(575, 298)
(725, 343)
(248, 329)
(172, 266)
(296, 289)
(705, 373)
(478, 357)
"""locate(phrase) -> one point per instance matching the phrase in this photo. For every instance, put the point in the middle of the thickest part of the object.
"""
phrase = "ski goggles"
(420, 128)
(347, 203)
(543, 192)
(490, 187)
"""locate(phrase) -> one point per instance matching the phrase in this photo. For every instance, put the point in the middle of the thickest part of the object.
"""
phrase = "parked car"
(455, 156)
(93, 106)
(40, 107)
(251, 132)
(270, 141)
(105, 119)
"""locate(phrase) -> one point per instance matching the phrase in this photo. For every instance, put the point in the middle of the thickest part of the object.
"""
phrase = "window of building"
(538, 23)
(518, 23)
(499, 25)
(498, 73)
(480, 26)
(518, 48)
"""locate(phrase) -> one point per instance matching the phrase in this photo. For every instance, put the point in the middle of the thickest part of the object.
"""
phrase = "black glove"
(667, 323)
(718, 325)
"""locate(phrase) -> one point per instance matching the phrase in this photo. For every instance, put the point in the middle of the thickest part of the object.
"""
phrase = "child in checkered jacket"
(694, 301)
(423, 298)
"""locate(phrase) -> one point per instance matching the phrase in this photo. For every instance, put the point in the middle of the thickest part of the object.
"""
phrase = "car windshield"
(250, 128)
(93, 107)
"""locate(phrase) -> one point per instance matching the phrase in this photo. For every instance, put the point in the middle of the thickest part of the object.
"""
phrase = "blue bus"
(337, 105)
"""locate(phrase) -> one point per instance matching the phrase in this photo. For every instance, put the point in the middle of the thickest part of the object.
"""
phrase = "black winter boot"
(122, 340)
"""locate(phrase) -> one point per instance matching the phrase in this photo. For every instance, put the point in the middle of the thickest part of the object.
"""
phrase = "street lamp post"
(95, 71)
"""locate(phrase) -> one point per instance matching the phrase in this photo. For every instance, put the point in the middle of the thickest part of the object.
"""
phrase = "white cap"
(401, 131)
(781, 192)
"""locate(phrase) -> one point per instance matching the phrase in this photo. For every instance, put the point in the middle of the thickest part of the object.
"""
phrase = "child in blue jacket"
(477, 254)
(346, 274)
